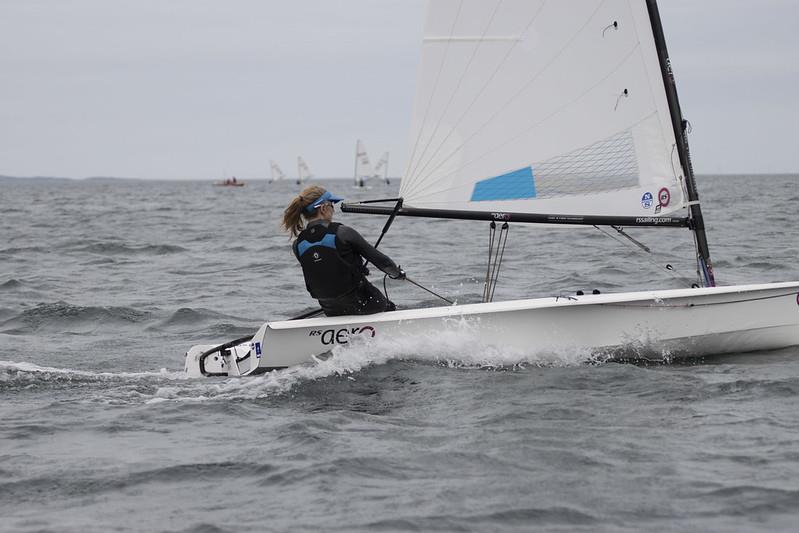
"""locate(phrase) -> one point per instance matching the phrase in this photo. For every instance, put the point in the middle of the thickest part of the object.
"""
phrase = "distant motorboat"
(230, 182)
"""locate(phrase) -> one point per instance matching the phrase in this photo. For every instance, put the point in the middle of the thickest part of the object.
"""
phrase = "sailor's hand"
(399, 275)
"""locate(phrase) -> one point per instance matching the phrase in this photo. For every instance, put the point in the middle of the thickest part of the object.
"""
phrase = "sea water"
(104, 284)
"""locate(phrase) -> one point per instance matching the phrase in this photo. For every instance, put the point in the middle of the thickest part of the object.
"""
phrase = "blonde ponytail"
(295, 212)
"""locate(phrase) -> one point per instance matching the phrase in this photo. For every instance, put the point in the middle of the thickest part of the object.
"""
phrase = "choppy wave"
(187, 315)
(767, 266)
(62, 316)
(117, 248)
(210, 323)
(516, 517)
(11, 284)
(40, 489)
(22, 373)
(23, 249)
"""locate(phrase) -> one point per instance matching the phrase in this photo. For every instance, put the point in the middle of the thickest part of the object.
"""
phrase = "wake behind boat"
(557, 113)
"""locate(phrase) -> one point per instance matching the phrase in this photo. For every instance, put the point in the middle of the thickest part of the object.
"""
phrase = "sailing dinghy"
(363, 168)
(557, 113)
(277, 172)
(303, 172)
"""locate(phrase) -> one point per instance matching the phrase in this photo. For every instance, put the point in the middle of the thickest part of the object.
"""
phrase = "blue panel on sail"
(514, 185)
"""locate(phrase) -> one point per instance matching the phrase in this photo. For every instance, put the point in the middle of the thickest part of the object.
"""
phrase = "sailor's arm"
(369, 252)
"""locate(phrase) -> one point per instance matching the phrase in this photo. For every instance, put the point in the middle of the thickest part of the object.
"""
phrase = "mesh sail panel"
(607, 165)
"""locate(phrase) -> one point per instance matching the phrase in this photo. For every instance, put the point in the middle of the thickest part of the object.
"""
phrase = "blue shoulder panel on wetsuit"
(328, 240)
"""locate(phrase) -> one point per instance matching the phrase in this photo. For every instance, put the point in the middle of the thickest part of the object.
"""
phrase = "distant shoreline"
(393, 178)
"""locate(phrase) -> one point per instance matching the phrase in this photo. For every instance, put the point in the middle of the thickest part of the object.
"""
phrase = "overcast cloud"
(204, 89)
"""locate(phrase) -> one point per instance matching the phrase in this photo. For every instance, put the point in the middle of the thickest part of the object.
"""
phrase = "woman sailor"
(332, 257)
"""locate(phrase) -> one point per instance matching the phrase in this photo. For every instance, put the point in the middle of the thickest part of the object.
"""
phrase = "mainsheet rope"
(494, 259)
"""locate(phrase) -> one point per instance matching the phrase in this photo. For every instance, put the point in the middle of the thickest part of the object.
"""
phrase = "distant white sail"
(277, 173)
(535, 106)
(363, 168)
(303, 172)
(381, 168)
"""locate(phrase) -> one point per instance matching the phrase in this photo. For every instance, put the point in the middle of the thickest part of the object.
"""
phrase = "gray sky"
(205, 89)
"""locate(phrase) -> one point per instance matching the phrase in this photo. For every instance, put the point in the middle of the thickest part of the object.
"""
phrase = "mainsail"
(542, 107)
(549, 111)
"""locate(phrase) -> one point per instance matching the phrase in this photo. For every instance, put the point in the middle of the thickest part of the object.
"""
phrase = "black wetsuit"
(331, 256)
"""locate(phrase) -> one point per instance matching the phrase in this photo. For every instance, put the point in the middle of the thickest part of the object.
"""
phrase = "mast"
(299, 170)
(355, 172)
(679, 125)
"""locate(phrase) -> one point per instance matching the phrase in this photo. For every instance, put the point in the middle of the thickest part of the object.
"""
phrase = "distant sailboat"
(363, 168)
(381, 169)
(277, 173)
(303, 172)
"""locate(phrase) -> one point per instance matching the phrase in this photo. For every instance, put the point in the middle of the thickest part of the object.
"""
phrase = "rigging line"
(638, 243)
(430, 291)
(435, 84)
(523, 88)
(678, 176)
(658, 266)
(534, 125)
(457, 85)
(498, 263)
(487, 83)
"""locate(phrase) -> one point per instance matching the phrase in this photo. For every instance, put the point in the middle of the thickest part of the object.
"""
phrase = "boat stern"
(204, 360)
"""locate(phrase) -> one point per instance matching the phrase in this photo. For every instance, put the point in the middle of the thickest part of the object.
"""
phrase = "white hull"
(666, 324)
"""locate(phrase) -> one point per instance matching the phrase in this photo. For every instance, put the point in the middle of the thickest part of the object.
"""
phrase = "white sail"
(363, 168)
(277, 173)
(535, 106)
(303, 172)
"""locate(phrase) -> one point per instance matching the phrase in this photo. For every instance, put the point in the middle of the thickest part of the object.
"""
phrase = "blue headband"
(326, 197)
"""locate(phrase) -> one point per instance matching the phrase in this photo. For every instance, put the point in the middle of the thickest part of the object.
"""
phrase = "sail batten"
(472, 38)
(542, 107)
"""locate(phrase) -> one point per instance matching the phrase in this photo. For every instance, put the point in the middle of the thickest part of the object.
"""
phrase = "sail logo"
(341, 335)
(654, 221)
(664, 197)
(647, 200)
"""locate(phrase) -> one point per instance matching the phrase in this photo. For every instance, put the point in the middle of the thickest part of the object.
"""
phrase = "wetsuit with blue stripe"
(332, 258)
